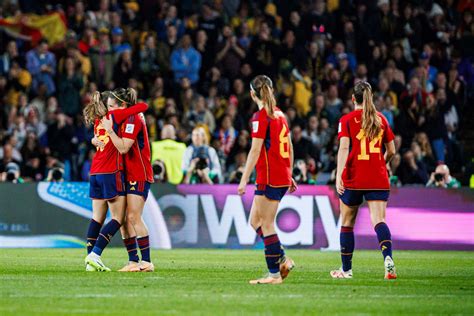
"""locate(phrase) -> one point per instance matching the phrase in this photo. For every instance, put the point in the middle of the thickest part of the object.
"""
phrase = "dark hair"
(262, 86)
(126, 97)
(371, 122)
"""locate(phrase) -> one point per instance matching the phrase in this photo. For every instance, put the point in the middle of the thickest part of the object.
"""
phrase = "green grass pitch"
(214, 282)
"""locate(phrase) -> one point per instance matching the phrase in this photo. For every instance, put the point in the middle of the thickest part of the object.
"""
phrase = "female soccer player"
(272, 153)
(135, 147)
(362, 173)
(106, 180)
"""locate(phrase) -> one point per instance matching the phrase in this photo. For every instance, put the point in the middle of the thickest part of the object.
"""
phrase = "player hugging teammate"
(120, 179)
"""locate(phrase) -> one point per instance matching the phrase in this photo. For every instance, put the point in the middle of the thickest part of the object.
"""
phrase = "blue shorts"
(356, 197)
(107, 186)
(138, 188)
(271, 193)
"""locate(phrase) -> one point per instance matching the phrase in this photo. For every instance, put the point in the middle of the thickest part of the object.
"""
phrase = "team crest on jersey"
(129, 128)
(255, 126)
(103, 137)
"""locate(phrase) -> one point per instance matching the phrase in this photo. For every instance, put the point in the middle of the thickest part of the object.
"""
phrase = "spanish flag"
(32, 27)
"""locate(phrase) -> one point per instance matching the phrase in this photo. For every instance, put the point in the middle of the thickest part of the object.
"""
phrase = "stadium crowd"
(193, 61)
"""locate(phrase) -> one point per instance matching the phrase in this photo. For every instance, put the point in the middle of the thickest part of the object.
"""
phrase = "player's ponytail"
(96, 108)
(371, 123)
(131, 96)
(262, 86)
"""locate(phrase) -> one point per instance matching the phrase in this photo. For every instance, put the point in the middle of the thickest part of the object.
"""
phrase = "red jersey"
(108, 159)
(138, 159)
(273, 165)
(365, 168)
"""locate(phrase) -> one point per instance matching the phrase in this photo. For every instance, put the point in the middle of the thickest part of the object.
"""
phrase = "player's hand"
(97, 143)
(340, 186)
(107, 123)
(242, 187)
(293, 186)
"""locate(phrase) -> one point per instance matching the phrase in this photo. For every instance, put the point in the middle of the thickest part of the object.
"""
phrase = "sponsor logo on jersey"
(255, 126)
(129, 128)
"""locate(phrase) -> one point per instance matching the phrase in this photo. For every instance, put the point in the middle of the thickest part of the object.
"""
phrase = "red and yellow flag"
(32, 27)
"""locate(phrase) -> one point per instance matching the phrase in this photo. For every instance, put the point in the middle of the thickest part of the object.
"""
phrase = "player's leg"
(136, 204)
(99, 212)
(377, 205)
(130, 242)
(255, 220)
(349, 206)
(117, 209)
(268, 209)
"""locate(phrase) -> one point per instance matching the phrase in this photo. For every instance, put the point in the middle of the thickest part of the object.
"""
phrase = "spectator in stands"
(6, 58)
(229, 53)
(314, 65)
(102, 59)
(186, 61)
(226, 134)
(11, 173)
(303, 148)
(118, 45)
(124, 69)
(200, 161)
(60, 140)
(412, 171)
(441, 178)
(32, 170)
(148, 58)
(170, 152)
(69, 87)
(199, 114)
(41, 63)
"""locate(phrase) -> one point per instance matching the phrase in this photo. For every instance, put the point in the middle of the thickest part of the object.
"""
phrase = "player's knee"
(255, 223)
(132, 217)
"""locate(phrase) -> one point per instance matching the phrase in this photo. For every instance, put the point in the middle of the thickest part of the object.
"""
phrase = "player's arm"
(123, 145)
(389, 151)
(342, 154)
(293, 186)
(121, 114)
(292, 157)
(252, 159)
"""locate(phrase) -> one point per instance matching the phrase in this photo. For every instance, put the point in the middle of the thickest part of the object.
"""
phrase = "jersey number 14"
(363, 145)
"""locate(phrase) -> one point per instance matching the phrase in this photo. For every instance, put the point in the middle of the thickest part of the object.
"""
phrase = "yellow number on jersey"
(284, 143)
(103, 138)
(363, 145)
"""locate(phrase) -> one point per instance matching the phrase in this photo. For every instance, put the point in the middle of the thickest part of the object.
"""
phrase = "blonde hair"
(371, 122)
(262, 86)
(96, 108)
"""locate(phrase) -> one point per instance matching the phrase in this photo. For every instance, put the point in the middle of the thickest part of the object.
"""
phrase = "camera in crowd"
(202, 164)
(297, 174)
(203, 156)
(12, 172)
(439, 177)
(300, 171)
(159, 171)
(56, 173)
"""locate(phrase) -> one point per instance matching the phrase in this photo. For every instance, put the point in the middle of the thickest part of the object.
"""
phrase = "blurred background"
(192, 62)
